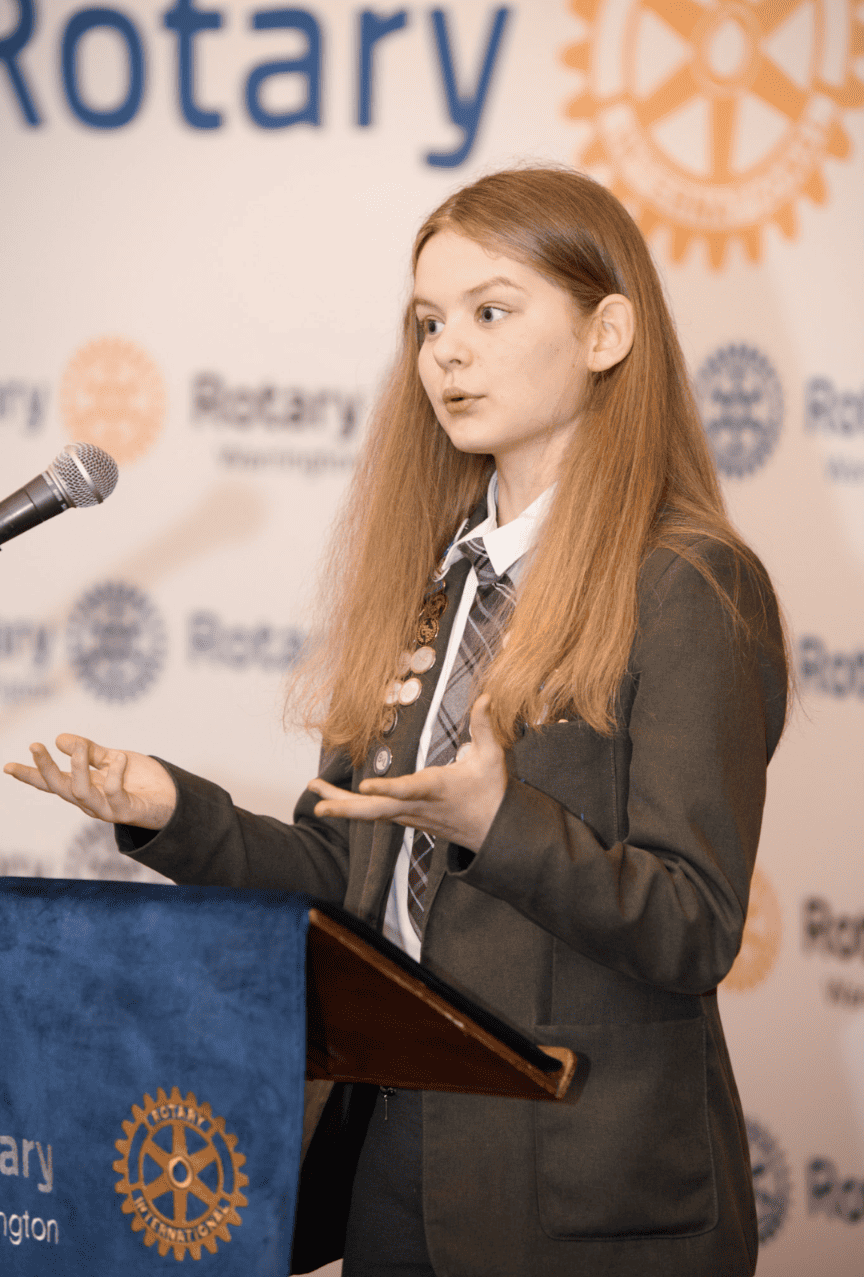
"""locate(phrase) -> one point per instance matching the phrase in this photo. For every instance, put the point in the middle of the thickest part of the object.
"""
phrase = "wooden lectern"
(374, 1015)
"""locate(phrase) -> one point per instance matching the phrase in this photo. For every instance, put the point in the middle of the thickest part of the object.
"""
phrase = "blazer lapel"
(387, 837)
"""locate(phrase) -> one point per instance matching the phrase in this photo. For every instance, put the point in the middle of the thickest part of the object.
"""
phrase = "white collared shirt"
(506, 547)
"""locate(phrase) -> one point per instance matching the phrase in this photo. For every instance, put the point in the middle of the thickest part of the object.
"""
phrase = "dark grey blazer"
(604, 907)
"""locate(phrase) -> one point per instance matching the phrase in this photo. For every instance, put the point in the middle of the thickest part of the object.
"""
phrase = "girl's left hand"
(456, 803)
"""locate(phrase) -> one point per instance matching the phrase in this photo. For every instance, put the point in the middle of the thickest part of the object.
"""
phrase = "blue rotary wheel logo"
(741, 404)
(771, 1182)
(116, 641)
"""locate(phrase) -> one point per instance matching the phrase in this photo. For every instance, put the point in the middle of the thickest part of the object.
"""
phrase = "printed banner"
(208, 207)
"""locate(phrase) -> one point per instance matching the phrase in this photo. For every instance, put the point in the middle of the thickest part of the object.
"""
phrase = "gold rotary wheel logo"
(112, 395)
(760, 946)
(181, 1176)
(712, 117)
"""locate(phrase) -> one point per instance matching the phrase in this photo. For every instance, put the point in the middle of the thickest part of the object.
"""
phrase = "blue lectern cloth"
(152, 1057)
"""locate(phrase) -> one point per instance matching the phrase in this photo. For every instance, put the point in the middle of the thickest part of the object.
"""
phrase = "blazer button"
(382, 760)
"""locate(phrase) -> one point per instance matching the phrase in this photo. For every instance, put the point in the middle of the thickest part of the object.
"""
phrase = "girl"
(536, 517)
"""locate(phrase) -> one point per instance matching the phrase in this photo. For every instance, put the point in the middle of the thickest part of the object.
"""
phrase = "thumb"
(482, 731)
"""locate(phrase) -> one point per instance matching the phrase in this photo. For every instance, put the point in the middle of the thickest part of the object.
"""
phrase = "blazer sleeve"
(704, 704)
(210, 842)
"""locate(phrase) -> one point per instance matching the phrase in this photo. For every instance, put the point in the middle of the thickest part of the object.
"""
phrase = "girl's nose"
(452, 348)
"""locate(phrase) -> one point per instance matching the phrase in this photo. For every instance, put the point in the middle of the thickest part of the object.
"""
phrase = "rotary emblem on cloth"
(181, 1175)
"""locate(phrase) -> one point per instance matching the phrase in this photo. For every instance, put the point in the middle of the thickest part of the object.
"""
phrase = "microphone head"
(86, 474)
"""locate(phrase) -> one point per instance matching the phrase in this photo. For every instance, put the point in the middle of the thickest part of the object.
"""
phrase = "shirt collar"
(507, 544)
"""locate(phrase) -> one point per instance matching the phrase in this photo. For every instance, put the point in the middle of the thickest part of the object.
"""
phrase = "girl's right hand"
(122, 788)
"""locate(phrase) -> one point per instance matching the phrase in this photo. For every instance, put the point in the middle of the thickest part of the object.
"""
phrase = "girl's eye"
(430, 327)
(489, 314)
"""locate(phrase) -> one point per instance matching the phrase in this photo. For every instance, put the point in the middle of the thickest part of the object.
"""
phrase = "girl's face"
(500, 357)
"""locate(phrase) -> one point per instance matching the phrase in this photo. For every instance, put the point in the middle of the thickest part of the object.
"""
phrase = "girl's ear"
(611, 333)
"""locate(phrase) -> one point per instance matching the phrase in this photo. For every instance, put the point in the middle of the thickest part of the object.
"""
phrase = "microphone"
(80, 475)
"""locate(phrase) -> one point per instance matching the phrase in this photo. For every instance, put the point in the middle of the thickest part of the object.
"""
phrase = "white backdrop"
(202, 268)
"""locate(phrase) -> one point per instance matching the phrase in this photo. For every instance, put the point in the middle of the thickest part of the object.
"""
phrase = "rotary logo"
(181, 1175)
(116, 641)
(714, 118)
(762, 933)
(741, 404)
(771, 1181)
(113, 395)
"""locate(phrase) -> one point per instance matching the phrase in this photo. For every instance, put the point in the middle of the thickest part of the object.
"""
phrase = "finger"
(325, 789)
(56, 782)
(422, 786)
(97, 754)
(344, 802)
(112, 785)
(80, 785)
(355, 807)
(482, 731)
(29, 776)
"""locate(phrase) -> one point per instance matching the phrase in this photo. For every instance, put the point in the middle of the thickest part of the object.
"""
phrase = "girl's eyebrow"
(497, 281)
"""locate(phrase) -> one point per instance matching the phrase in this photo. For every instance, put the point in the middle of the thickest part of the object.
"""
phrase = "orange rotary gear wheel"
(181, 1176)
(112, 394)
(712, 117)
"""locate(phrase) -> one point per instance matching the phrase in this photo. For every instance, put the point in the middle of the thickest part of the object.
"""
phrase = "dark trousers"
(385, 1225)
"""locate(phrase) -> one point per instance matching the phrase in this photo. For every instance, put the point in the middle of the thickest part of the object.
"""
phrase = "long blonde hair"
(637, 475)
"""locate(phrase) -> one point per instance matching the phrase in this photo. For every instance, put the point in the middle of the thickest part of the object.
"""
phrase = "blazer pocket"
(630, 1155)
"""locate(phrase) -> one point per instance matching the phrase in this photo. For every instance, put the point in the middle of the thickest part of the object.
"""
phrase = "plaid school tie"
(489, 613)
